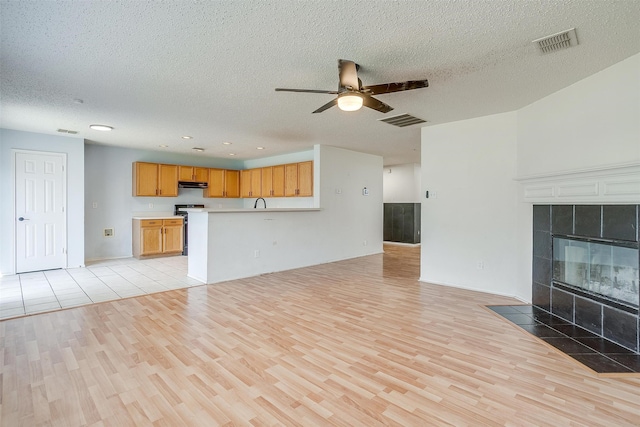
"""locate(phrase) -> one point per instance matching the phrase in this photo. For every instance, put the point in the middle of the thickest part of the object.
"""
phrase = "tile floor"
(597, 353)
(42, 291)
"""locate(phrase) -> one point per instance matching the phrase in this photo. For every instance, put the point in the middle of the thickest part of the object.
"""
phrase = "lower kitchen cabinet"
(157, 237)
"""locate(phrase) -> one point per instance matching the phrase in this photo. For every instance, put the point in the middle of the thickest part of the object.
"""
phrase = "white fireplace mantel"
(607, 184)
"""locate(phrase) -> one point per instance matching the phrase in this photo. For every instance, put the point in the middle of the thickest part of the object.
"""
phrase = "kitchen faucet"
(255, 205)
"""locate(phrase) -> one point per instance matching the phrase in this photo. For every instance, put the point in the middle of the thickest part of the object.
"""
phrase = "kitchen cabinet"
(153, 179)
(251, 183)
(401, 222)
(193, 174)
(273, 181)
(223, 183)
(157, 237)
(298, 179)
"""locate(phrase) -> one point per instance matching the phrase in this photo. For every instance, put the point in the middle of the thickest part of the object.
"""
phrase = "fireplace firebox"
(603, 269)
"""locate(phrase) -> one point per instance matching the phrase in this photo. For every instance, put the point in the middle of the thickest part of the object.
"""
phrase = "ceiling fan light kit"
(352, 95)
(350, 102)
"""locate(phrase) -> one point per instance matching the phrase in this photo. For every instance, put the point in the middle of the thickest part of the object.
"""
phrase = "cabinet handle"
(161, 191)
(156, 191)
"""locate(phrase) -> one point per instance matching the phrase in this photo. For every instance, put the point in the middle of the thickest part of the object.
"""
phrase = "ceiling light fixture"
(187, 137)
(226, 143)
(103, 128)
(350, 101)
(259, 148)
(163, 146)
(198, 149)
(232, 154)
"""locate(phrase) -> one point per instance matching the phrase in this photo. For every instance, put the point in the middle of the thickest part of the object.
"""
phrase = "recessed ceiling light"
(260, 148)
(226, 143)
(198, 149)
(103, 128)
(187, 137)
(232, 154)
(163, 146)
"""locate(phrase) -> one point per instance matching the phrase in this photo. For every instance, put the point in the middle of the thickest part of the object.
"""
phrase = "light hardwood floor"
(352, 343)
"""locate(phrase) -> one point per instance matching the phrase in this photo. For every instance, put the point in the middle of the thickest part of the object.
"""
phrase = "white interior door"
(41, 232)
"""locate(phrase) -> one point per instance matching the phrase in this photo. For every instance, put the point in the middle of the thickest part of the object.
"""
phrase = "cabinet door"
(232, 183)
(145, 179)
(216, 183)
(245, 183)
(172, 236)
(256, 183)
(185, 173)
(305, 179)
(266, 175)
(291, 180)
(278, 181)
(151, 237)
(168, 180)
(201, 174)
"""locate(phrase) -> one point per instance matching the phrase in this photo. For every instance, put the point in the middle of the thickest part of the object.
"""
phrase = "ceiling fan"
(352, 95)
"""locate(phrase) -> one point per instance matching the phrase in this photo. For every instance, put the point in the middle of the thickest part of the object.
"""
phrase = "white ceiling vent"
(72, 132)
(403, 120)
(558, 41)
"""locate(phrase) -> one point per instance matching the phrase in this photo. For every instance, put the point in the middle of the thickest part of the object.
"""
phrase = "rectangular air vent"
(72, 132)
(558, 41)
(403, 120)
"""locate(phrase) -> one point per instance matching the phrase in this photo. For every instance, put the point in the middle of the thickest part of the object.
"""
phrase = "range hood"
(189, 184)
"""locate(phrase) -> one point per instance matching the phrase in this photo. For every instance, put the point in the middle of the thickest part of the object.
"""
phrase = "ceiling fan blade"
(395, 87)
(348, 74)
(332, 92)
(375, 104)
(327, 106)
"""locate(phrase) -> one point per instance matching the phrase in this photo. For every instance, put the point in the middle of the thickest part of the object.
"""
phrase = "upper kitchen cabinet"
(298, 179)
(153, 179)
(273, 181)
(223, 183)
(192, 174)
(251, 183)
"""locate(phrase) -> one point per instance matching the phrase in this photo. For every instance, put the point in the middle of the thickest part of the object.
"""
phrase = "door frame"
(14, 155)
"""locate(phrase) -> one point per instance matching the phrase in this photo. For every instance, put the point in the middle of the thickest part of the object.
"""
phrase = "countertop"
(250, 210)
(159, 217)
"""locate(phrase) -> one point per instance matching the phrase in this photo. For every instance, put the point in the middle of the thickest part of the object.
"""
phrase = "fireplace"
(585, 268)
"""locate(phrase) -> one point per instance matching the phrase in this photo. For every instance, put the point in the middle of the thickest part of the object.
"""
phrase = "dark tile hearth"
(597, 353)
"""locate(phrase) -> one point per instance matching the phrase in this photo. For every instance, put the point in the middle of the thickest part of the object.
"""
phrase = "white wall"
(74, 149)
(472, 164)
(591, 123)
(401, 183)
(108, 183)
(469, 221)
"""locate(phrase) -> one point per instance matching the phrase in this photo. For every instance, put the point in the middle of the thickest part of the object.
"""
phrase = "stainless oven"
(178, 211)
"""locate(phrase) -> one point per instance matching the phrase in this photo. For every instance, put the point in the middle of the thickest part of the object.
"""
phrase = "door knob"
(23, 219)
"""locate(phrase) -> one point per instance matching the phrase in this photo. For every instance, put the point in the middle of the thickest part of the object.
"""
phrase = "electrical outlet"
(365, 191)
(338, 190)
(256, 253)
(95, 205)
(480, 265)
(364, 243)
(150, 205)
(108, 232)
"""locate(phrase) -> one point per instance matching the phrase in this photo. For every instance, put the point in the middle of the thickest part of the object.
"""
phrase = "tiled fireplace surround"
(608, 222)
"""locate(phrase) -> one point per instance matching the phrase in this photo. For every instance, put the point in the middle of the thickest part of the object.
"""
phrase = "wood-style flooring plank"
(353, 343)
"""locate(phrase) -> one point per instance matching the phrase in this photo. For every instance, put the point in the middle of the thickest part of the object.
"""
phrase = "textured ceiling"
(156, 71)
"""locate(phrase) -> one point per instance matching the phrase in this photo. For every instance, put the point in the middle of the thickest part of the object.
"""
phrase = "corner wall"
(469, 222)
(590, 125)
